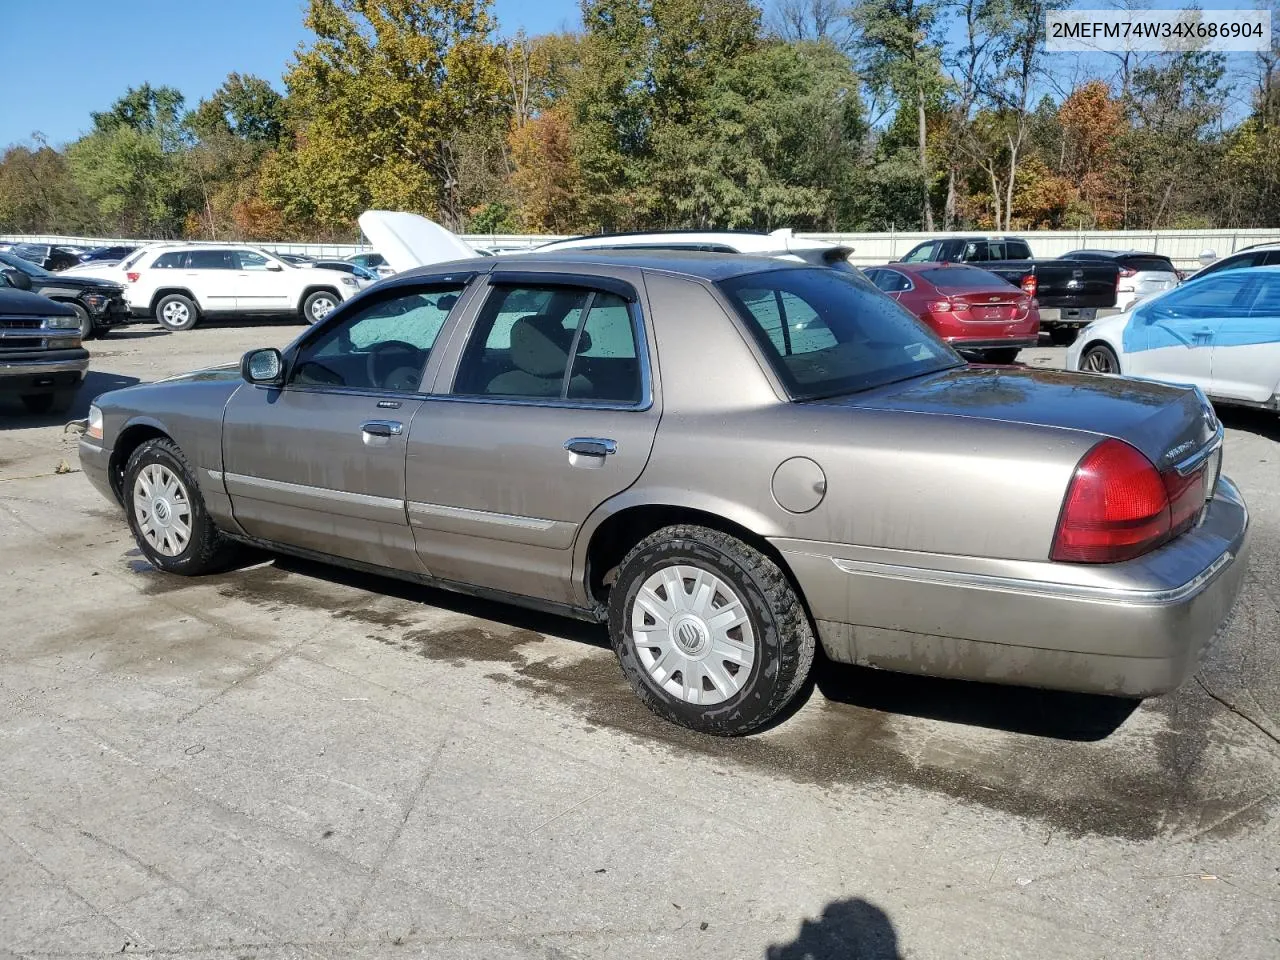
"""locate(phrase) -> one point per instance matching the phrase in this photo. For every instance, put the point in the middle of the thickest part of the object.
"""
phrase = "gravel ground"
(294, 761)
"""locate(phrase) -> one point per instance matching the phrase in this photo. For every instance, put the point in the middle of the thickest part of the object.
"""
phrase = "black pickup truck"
(41, 360)
(1071, 293)
(99, 304)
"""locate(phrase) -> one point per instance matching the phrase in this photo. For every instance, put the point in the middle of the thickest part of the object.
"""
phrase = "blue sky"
(65, 58)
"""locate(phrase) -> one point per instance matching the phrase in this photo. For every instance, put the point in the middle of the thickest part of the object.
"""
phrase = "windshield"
(826, 332)
(26, 266)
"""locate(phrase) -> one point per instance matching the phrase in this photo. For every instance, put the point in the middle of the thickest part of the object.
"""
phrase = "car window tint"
(1217, 296)
(172, 260)
(974, 252)
(606, 365)
(1017, 250)
(964, 278)
(824, 333)
(384, 345)
(1266, 302)
(521, 343)
(210, 260)
(133, 258)
(995, 250)
(250, 260)
(1270, 258)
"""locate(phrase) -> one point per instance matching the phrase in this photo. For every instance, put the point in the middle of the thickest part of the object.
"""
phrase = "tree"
(388, 105)
(135, 186)
(245, 107)
(903, 51)
(156, 111)
(37, 193)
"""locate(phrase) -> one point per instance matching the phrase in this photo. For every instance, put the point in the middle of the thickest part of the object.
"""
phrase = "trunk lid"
(1166, 423)
(1065, 283)
(991, 307)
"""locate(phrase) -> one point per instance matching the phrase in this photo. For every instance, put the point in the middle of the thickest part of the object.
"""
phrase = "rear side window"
(562, 343)
(974, 252)
(964, 278)
(1234, 263)
(826, 333)
(1267, 301)
(172, 260)
(891, 281)
(1016, 250)
(211, 260)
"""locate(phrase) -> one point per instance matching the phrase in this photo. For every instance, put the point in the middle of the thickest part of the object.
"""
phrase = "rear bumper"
(993, 343)
(1132, 629)
(1076, 316)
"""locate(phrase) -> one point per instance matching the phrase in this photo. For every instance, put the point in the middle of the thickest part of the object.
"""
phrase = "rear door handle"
(591, 446)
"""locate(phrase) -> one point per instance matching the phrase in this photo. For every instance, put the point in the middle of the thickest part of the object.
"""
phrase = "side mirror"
(274, 266)
(264, 366)
(17, 279)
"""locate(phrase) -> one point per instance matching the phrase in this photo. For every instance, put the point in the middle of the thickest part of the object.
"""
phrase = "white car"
(1142, 275)
(1220, 333)
(179, 283)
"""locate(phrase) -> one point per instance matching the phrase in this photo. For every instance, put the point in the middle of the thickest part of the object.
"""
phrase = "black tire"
(309, 305)
(784, 639)
(42, 403)
(183, 314)
(206, 551)
(1099, 358)
(1062, 336)
(1005, 355)
(86, 321)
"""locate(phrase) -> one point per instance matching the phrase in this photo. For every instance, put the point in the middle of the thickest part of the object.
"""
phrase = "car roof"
(691, 263)
(743, 241)
(926, 265)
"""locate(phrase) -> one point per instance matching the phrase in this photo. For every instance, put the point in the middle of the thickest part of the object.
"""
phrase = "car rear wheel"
(1005, 355)
(176, 312)
(58, 402)
(167, 513)
(1099, 358)
(318, 306)
(708, 631)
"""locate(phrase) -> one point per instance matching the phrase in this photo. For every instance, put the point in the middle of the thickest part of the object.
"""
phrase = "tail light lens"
(941, 306)
(133, 276)
(1023, 304)
(1029, 285)
(1127, 272)
(1119, 507)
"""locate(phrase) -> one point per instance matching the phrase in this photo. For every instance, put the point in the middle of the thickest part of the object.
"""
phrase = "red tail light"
(1023, 304)
(1126, 272)
(133, 277)
(1119, 507)
(1029, 285)
(941, 306)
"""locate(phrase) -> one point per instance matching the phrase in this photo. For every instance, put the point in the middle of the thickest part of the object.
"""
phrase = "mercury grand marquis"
(725, 459)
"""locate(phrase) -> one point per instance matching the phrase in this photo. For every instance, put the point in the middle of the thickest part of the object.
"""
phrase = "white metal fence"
(1183, 247)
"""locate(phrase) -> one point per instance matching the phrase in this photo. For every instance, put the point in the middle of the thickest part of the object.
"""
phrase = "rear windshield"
(963, 278)
(826, 332)
(1147, 263)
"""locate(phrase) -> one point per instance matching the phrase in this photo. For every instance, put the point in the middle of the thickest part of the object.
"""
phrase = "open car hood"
(408, 240)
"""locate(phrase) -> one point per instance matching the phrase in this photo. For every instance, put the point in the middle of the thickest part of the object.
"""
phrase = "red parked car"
(973, 310)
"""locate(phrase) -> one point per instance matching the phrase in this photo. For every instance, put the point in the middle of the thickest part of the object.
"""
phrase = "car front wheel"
(167, 514)
(318, 306)
(1100, 358)
(176, 312)
(708, 631)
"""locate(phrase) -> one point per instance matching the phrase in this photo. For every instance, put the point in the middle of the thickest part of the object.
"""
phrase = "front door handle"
(382, 428)
(1204, 332)
(591, 446)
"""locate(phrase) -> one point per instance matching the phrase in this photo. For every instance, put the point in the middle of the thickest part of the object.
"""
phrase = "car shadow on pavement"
(1042, 713)
(14, 416)
(1264, 423)
(849, 929)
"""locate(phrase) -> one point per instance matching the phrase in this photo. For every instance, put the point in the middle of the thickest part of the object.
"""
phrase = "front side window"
(1016, 250)
(565, 343)
(1220, 296)
(211, 260)
(250, 260)
(824, 334)
(384, 345)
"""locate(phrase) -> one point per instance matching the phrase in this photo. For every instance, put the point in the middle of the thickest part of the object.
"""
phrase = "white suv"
(179, 283)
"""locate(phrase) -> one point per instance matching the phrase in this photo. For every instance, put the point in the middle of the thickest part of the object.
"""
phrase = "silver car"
(726, 459)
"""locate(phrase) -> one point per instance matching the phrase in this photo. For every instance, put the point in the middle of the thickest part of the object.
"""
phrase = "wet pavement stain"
(1054, 758)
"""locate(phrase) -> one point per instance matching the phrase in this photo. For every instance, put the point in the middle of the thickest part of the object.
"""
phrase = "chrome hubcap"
(163, 509)
(321, 308)
(692, 634)
(176, 312)
(1097, 362)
